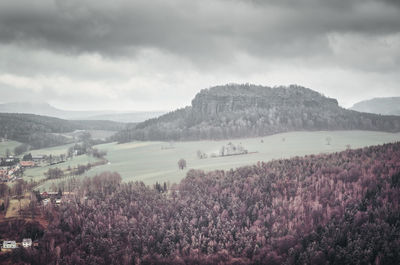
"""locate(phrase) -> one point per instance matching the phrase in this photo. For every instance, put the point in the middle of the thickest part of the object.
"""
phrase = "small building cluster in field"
(226, 150)
(53, 197)
(11, 168)
(12, 244)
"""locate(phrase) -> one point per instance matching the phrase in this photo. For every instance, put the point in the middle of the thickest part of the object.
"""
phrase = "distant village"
(12, 168)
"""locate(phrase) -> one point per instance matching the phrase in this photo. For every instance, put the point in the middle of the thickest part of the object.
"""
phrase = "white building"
(9, 244)
(26, 242)
(46, 201)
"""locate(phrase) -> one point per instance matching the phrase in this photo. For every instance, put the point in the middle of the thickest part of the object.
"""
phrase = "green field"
(147, 162)
(37, 173)
(55, 151)
(10, 145)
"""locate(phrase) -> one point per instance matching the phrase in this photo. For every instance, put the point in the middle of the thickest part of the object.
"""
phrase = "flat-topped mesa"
(236, 97)
(234, 111)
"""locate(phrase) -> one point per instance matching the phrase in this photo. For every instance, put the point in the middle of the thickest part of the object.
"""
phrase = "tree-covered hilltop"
(233, 110)
(41, 131)
(341, 208)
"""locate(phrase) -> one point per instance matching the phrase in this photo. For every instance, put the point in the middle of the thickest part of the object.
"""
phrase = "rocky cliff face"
(236, 98)
(233, 111)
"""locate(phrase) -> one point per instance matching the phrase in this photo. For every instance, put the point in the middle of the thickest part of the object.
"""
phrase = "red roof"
(27, 163)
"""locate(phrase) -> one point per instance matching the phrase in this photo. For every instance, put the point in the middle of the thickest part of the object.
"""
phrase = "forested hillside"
(340, 208)
(38, 131)
(247, 110)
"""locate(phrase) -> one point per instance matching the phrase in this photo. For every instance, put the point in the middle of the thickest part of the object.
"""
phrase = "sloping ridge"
(40, 131)
(234, 110)
(384, 106)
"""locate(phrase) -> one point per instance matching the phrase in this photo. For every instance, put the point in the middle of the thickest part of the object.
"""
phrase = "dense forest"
(340, 208)
(41, 131)
(233, 110)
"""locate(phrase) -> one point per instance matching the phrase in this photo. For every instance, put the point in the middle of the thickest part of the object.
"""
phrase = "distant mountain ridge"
(45, 109)
(235, 110)
(385, 106)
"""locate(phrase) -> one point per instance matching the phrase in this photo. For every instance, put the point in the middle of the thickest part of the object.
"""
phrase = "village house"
(9, 244)
(48, 194)
(26, 242)
(10, 161)
(38, 158)
(27, 164)
(46, 201)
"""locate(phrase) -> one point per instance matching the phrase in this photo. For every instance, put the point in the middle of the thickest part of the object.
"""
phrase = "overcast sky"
(157, 54)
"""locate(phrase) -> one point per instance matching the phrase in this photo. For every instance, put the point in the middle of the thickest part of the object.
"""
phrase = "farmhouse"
(9, 244)
(26, 242)
(27, 163)
(48, 194)
(38, 158)
(10, 161)
(46, 201)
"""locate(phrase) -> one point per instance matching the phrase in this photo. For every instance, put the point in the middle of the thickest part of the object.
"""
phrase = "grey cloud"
(146, 54)
(203, 31)
(391, 2)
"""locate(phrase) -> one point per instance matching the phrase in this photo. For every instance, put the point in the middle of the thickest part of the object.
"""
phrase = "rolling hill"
(41, 131)
(384, 106)
(45, 109)
(233, 111)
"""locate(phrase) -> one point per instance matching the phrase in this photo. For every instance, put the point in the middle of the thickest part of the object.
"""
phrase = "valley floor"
(153, 162)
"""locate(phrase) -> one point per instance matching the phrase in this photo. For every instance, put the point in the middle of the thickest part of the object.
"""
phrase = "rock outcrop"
(234, 110)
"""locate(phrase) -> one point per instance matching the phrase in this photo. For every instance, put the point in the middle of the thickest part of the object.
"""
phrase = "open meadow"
(54, 151)
(37, 173)
(14, 207)
(152, 162)
(10, 145)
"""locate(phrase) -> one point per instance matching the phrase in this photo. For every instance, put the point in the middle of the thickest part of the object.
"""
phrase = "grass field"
(56, 150)
(13, 207)
(148, 162)
(10, 145)
(37, 173)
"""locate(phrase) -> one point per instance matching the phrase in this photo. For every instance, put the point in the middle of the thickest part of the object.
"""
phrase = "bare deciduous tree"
(182, 163)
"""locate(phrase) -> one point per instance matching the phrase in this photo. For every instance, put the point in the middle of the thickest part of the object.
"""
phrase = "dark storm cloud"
(199, 30)
(393, 2)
